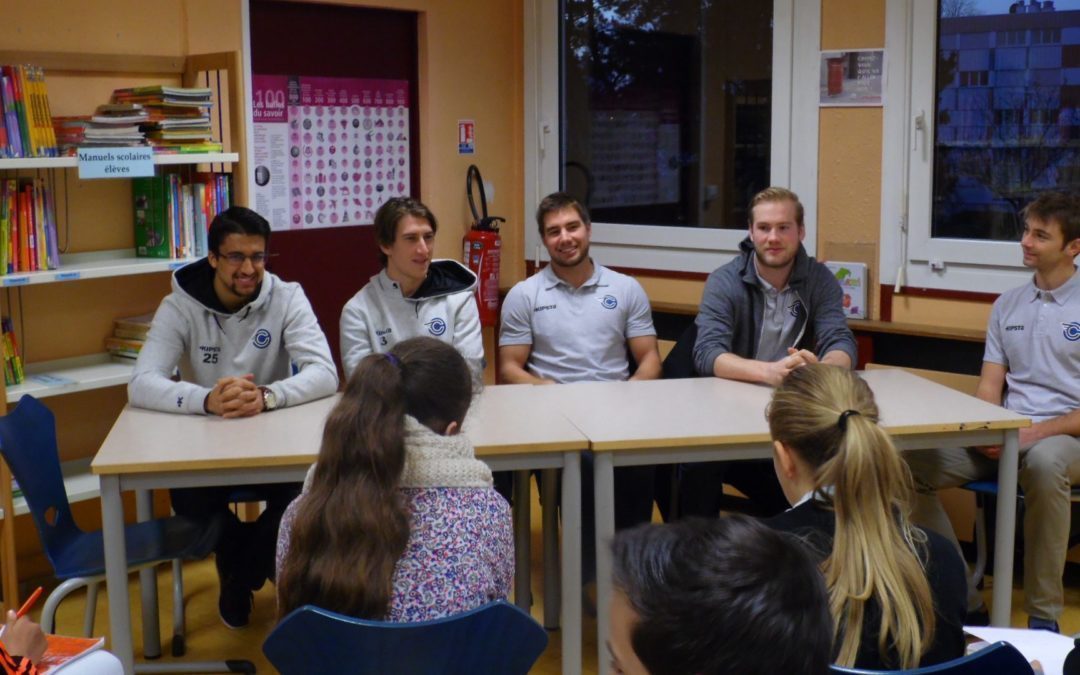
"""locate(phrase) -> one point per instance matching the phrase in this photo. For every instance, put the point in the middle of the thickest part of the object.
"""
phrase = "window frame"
(793, 146)
(909, 255)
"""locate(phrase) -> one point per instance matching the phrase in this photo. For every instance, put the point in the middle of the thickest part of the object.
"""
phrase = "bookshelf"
(80, 483)
(94, 265)
(159, 160)
(62, 376)
(67, 376)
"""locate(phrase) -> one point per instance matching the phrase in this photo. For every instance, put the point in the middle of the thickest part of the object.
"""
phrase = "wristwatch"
(269, 399)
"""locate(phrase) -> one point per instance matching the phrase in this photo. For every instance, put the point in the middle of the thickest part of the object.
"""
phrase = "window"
(988, 121)
(665, 117)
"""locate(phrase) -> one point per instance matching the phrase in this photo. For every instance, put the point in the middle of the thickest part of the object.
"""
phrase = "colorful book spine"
(5, 230)
(46, 114)
(11, 115)
(11, 194)
(41, 221)
(54, 243)
(18, 80)
(151, 217)
(13, 368)
(25, 241)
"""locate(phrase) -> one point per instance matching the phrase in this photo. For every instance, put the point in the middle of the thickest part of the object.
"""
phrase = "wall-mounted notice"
(852, 78)
(328, 151)
(466, 131)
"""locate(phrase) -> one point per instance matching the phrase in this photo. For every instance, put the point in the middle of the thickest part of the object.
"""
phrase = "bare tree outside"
(951, 9)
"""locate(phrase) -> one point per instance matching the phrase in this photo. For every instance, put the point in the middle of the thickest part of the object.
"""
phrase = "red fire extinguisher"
(482, 248)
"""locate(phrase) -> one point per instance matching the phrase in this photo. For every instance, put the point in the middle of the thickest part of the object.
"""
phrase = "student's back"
(398, 520)
(897, 593)
(815, 524)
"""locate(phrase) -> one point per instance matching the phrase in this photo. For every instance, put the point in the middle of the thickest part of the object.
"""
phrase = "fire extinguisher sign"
(466, 132)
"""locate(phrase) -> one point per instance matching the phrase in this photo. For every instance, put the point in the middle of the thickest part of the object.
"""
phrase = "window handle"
(920, 130)
(542, 131)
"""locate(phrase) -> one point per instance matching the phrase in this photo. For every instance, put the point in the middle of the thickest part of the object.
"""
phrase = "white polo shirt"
(577, 334)
(1036, 335)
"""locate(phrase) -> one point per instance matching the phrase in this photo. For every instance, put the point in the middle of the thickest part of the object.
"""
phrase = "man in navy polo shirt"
(1031, 366)
(577, 321)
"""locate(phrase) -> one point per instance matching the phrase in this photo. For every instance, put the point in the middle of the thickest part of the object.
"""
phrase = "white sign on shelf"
(123, 162)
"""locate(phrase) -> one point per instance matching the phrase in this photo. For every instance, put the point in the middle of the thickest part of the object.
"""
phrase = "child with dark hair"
(716, 597)
(398, 519)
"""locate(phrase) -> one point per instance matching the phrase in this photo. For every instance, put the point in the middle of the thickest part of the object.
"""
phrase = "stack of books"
(25, 127)
(173, 214)
(112, 125)
(28, 240)
(13, 367)
(128, 337)
(178, 117)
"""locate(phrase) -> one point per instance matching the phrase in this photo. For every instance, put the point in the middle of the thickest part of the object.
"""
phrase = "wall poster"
(328, 151)
(852, 78)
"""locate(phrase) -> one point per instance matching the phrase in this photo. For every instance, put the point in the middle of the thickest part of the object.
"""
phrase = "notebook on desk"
(62, 650)
(1049, 649)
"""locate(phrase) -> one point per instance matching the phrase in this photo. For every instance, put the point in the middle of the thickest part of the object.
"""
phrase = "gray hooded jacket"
(732, 309)
(268, 337)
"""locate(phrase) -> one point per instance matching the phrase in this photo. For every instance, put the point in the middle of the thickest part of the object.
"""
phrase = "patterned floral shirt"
(460, 553)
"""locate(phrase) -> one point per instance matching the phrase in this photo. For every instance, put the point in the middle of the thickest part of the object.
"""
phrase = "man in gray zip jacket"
(236, 332)
(765, 313)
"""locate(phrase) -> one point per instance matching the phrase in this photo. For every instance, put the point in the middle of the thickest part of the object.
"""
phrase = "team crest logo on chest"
(795, 308)
(436, 326)
(609, 302)
(1071, 331)
(262, 339)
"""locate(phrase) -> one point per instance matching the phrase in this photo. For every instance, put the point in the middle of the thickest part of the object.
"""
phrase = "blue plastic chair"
(28, 445)
(982, 490)
(495, 638)
(999, 658)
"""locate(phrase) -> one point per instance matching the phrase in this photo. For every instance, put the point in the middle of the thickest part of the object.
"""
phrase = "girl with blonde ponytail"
(897, 592)
(398, 520)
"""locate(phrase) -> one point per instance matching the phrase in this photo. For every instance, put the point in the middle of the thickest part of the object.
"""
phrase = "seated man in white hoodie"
(413, 295)
(246, 343)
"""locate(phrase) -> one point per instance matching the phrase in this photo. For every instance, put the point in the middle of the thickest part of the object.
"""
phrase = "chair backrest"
(495, 638)
(679, 362)
(1000, 658)
(28, 444)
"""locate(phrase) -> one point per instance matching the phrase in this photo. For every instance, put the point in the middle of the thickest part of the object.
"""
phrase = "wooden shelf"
(918, 330)
(207, 158)
(161, 160)
(67, 376)
(94, 265)
(80, 483)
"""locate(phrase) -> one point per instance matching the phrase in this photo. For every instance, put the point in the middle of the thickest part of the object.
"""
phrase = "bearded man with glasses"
(245, 343)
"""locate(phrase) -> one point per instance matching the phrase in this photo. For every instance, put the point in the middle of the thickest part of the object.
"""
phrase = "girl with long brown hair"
(398, 519)
(897, 592)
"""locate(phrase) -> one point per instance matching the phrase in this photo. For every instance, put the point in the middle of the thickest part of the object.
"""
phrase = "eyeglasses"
(237, 259)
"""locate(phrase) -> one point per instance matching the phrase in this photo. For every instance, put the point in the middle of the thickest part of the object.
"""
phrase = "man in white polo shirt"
(1031, 366)
(577, 321)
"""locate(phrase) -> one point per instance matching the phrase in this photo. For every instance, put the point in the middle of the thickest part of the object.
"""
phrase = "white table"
(706, 419)
(511, 427)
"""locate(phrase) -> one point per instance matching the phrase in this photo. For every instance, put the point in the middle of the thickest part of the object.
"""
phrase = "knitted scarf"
(433, 460)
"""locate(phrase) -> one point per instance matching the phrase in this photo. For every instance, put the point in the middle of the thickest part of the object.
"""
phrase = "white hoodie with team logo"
(379, 316)
(267, 337)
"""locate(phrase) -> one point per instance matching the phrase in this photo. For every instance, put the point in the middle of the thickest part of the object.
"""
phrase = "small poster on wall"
(852, 78)
(328, 151)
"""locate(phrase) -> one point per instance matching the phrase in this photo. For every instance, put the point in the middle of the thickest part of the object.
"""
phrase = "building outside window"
(992, 113)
